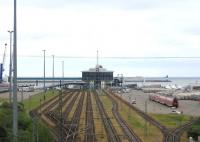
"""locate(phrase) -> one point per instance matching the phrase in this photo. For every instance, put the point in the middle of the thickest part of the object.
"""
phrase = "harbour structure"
(97, 77)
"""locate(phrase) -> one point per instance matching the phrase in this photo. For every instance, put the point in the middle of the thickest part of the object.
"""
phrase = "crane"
(2, 64)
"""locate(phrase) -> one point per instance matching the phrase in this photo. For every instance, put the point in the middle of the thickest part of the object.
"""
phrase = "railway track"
(54, 114)
(69, 128)
(48, 113)
(162, 128)
(90, 131)
(70, 106)
(42, 112)
(175, 134)
(71, 132)
(35, 111)
(168, 135)
(62, 125)
(48, 105)
(110, 130)
(42, 109)
(132, 137)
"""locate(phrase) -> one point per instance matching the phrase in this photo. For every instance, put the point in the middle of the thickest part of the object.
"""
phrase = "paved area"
(188, 107)
(20, 96)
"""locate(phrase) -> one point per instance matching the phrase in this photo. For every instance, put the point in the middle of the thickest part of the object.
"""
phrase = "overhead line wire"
(117, 57)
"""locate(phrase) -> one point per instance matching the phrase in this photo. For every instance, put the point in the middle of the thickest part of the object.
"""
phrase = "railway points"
(90, 116)
(113, 128)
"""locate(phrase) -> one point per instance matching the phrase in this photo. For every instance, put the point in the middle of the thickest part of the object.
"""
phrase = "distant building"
(97, 77)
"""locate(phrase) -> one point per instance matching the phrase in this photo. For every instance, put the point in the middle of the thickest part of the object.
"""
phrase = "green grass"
(137, 122)
(3, 100)
(171, 120)
(34, 101)
(106, 102)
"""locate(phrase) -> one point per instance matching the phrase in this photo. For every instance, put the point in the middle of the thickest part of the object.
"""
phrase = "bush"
(194, 131)
(25, 125)
(3, 132)
(6, 105)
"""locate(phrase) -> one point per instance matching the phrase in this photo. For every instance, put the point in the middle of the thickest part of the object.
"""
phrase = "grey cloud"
(193, 31)
(115, 4)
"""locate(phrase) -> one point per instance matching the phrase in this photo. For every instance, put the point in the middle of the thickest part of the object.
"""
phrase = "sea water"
(177, 81)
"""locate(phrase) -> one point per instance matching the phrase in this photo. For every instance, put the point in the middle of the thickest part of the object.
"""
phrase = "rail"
(71, 132)
(162, 128)
(110, 130)
(132, 137)
(90, 132)
(175, 134)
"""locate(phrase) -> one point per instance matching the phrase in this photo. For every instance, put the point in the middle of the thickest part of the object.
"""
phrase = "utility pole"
(129, 112)
(63, 69)
(10, 69)
(53, 70)
(35, 134)
(29, 102)
(97, 81)
(33, 130)
(15, 109)
(145, 128)
(40, 107)
(61, 116)
(44, 75)
(62, 82)
(22, 95)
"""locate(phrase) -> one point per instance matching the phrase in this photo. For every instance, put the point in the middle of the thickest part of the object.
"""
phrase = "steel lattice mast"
(15, 109)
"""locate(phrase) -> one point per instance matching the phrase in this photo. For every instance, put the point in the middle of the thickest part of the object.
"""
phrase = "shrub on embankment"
(194, 131)
(27, 130)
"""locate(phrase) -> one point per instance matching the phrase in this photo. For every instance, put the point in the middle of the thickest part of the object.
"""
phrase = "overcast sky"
(125, 28)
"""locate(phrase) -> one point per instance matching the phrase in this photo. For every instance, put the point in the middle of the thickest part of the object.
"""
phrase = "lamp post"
(61, 115)
(10, 69)
(4, 53)
(15, 109)
(63, 64)
(44, 74)
(61, 82)
(53, 70)
(145, 127)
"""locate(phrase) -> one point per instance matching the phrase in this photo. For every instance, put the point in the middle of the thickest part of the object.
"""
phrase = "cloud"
(114, 32)
(99, 4)
(129, 28)
(195, 31)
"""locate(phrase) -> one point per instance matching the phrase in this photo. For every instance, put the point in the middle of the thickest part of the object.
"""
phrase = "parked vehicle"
(133, 102)
(26, 88)
(165, 100)
(176, 111)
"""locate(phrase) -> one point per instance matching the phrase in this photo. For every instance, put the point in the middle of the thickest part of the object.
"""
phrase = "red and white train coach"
(169, 101)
